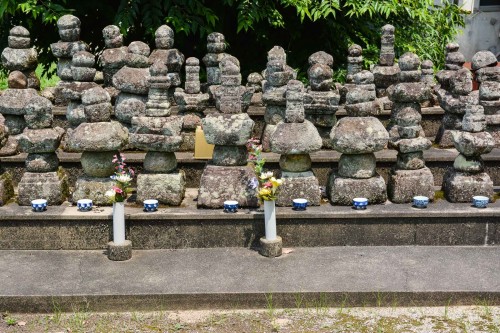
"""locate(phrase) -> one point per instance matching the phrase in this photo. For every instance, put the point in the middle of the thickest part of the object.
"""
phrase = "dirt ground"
(481, 318)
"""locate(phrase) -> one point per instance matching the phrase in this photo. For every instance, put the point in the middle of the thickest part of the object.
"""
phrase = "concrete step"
(231, 278)
(64, 227)
(438, 160)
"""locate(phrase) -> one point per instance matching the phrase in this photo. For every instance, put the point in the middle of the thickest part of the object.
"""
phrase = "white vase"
(270, 219)
(118, 223)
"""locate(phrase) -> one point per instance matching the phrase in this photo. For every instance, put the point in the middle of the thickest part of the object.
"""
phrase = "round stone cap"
(388, 29)
(427, 64)
(255, 78)
(483, 59)
(164, 31)
(192, 61)
(19, 31)
(321, 57)
(216, 37)
(409, 62)
(452, 47)
(364, 77)
(110, 32)
(17, 80)
(68, 22)
(230, 65)
(355, 50)
(140, 48)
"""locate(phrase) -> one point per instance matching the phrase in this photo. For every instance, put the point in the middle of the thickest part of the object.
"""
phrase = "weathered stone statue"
(114, 55)
(13, 103)
(386, 72)
(354, 66)
(191, 103)
(172, 58)
(410, 177)
(294, 139)
(159, 134)
(453, 106)
(43, 178)
(6, 187)
(277, 75)
(321, 100)
(484, 63)
(227, 176)
(19, 56)
(83, 72)
(467, 177)
(427, 69)
(255, 80)
(99, 139)
(132, 81)
(357, 137)
(65, 49)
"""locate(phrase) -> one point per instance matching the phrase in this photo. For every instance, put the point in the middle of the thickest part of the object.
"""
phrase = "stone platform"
(64, 227)
(235, 278)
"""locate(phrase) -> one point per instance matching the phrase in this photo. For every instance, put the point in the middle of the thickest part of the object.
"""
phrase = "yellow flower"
(264, 191)
(276, 182)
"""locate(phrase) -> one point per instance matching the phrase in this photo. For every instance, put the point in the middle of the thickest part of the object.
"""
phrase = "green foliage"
(251, 27)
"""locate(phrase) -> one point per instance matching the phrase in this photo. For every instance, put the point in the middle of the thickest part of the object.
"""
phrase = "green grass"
(45, 81)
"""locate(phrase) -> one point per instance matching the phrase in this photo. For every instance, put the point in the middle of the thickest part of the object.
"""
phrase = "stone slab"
(94, 189)
(403, 185)
(168, 188)
(51, 186)
(342, 191)
(299, 187)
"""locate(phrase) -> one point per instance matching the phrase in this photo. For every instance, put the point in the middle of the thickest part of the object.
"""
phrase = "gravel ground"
(481, 318)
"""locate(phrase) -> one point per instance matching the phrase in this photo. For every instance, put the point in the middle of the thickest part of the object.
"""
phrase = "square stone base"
(444, 138)
(167, 188)
(51, 186)
(461, 187)
(403, 185)
(120, 252)
(341, 190)
(299, 187)
(6, 188)
(272, 248)
(94, 189)
(221, 183)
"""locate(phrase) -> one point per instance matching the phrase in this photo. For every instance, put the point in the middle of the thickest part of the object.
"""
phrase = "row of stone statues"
(299, 120)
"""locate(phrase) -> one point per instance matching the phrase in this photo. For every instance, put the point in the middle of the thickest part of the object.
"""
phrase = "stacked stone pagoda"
(191, 103)
(13, 103)
(386, 72)
(98, 139)
(358, 136)
(114, 55)
(43, 178)
(159, 134)
(453, 105)
(410, 177)
(227, 176)
(467, 177)
(6, 187)
(277, 75)
(321, 100)
(83, 73)
(172, 58)
(427, 77)
(132, 81)
(20, 56)
(294, 139)
(63, 50)
(484, 63)
(354, 62)
(216, 45)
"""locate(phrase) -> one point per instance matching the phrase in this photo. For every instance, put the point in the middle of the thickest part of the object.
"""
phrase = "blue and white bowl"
(299, 204)
(230, 206)
(420, 201)
(359, 203)
(480, 201)
(84, 205)
(39, 205)
(150, 205)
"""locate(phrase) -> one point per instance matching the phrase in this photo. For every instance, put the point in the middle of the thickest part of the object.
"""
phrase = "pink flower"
(117, 190)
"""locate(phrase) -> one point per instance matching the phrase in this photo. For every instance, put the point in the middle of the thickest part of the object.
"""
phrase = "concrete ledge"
(48, 281)
(64, 227)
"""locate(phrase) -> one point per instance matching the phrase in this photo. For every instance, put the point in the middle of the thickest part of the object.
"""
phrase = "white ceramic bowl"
(360, 203)
(230, 206)
(420, 201)
(299, 204)
(84, 205)
(480, 201)
(150, 205)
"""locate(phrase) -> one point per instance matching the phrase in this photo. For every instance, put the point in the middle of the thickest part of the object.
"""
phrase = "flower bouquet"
(123, 177)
